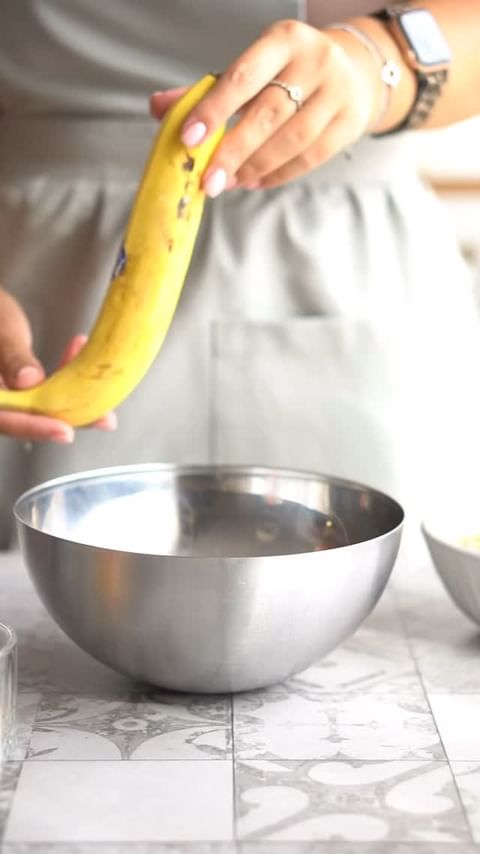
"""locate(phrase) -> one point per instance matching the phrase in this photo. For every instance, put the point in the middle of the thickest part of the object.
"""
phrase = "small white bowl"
(457, 565)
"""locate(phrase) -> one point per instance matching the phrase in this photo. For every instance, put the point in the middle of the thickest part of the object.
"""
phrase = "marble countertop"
(374, 749)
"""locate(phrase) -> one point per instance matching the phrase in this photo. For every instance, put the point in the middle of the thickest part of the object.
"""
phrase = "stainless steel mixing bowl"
(207, 578)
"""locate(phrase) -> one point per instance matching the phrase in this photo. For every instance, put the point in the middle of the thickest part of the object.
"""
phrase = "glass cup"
(8, 690)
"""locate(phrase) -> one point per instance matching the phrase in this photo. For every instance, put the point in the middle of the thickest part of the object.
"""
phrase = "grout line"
(10, 793)
(183, 846)
(33, 761)
(147, 845)
(175, 847)
(413, 655)
(296, 761)
(234, 776)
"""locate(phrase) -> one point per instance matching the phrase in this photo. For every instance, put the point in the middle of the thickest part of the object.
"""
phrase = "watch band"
(428, 92)
(390, 12)
(429, 83)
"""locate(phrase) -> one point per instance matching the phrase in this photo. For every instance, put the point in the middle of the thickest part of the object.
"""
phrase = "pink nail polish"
(27, 376)
(254, 185)
(193, 134)
(62, 437)
(109, 423)
(216, 183)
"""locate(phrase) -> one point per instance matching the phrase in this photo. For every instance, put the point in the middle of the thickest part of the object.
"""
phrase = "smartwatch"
(426, 51)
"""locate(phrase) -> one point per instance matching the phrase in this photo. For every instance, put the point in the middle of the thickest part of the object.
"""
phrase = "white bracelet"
(389, 71)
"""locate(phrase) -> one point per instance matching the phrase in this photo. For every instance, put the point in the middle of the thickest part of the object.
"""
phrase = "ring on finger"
(294, 92)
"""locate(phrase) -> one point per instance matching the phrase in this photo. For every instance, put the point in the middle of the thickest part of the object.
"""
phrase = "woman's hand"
(272, 142)
(19, 369)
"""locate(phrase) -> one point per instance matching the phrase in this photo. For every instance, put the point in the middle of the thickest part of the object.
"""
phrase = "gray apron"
(326, 325)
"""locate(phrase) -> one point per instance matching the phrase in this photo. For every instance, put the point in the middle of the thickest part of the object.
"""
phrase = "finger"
(72, 349)
(19, 367)
(108, 423)
(244, 79)
(35, 428)
(297, 135)
(160, 102)
(330, 143)
(258, 122)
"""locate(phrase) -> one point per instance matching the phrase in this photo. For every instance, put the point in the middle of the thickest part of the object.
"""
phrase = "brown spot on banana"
(182, 206)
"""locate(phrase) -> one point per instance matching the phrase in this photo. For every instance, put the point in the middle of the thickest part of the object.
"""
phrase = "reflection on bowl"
(207, 578)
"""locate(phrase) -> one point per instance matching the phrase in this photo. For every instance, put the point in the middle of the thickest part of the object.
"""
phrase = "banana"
(147, 281)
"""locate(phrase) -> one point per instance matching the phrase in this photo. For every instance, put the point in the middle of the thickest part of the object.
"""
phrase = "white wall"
(453, 155)
(453, 152)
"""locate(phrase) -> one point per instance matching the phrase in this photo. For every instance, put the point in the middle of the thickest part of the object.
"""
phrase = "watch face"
(425, 37)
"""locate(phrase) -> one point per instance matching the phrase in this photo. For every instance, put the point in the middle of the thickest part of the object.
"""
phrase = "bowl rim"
(11, 640)
(203, 468)
(453, 546)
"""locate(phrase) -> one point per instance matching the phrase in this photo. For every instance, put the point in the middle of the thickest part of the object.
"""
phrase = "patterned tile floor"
(374, 749)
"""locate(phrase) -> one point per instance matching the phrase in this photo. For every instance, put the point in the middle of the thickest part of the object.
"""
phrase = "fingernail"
(231, 183)
(254, 185)
(215, 183)
(27, 376)
(109, 422)
(193, 134)
(64, 437)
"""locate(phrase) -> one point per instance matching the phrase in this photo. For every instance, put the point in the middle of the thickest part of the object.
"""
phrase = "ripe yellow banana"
(148, 277)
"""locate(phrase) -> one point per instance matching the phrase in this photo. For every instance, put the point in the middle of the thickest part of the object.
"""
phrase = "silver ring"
(295, 93)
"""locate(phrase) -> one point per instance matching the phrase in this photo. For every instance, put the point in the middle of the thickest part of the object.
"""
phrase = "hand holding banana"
(301, 95)
(140, 302)
(20, 369)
